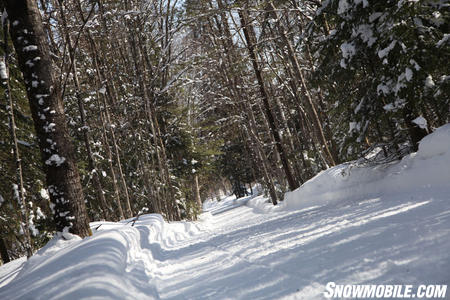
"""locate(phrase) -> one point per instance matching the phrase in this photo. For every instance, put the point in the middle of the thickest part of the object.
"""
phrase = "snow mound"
(117, 262)
(429, 168)
(434, 144)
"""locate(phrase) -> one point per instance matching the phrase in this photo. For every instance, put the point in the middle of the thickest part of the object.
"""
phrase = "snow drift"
(428, 169)
(115, 263)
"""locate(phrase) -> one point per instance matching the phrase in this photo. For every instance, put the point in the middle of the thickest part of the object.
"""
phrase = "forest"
(111, 109)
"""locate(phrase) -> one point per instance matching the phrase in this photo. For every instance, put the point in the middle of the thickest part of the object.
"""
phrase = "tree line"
(115, 108)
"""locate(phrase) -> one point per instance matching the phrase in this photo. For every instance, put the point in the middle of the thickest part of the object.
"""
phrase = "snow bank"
(115, 263)
(427, 169)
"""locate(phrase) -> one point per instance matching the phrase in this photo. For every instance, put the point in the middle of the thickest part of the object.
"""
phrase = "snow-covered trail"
(246, 255)
(358, 225)
(243, 254)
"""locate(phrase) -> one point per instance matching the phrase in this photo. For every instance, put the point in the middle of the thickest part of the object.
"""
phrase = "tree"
(19, 191)
(379, 65)
(46, 103)
(250, 39)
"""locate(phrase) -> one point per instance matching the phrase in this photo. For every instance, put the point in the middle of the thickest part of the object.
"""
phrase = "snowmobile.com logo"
(384, 291)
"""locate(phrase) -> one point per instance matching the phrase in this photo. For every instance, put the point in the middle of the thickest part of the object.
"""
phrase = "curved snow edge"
(429, 168)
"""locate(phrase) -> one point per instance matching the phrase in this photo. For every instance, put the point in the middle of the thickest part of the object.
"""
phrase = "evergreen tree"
(378, 63)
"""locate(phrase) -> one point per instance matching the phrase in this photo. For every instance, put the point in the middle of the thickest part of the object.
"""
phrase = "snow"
(3, 71)
(349, 224)
(4, 16)
(364, 2)
(421, 122)
(44, 194)
(415, 172)
(429, 83)
(343, 7)
(383, 88)
(30, 48)
(29, 63)
(55, 159)
(49, 128)
(436, 144)
(348, 50)
(374, 16)
(415, 64)
(408, 74)
(10, 270)
(444, 40)
(366, 33)
(384, 52)
(24, 143)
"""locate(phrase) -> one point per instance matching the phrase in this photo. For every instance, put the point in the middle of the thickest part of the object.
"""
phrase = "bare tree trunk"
(242, 105)
(4, 251)
(23, 212)
(196, 188)
(111, 168)
(249, 34)
(104, 134)
(140, 67)
(107, 118)
(47, 109)
(85, 128)
(297, 71)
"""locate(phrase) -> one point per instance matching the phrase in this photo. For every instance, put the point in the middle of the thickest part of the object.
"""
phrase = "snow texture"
(30, 48)
(3, 71)
(55, 159)
(351, 225)
(384, 52)
(444, 40)
(421, 122)
(408, 74)
(429, 83)
(348, 50)
(366, 33)
(343, 7)
(44, 194)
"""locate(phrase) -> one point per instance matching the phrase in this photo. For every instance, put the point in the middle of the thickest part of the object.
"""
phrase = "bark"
(97, 83)
(110, 157)
(85, 128)
(4, 251)
(249, 34)
(196, 188)
(47, 109)
(299, 74)
(23, 212)
(107, 119)
(234, 79)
